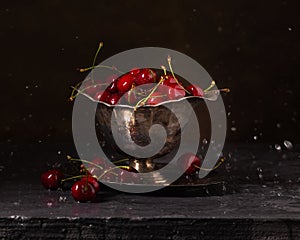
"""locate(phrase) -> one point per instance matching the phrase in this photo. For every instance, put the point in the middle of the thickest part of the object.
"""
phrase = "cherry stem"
(100, 66)
(86, 161)
(73, 91)
(171, 69)
(215, 167)
(121, 160)
(227, 90)
(164, 69)
(213, 83)
(88, 87)
(74, 177)
(95, 58)
(109, 170)
(142, 101)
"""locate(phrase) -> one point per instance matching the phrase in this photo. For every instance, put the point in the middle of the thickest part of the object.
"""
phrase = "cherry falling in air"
(52, 179)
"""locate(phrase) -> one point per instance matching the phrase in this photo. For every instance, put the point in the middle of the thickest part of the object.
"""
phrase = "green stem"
(109, 170)
(70, 178)
(86, 161)
(171, 69)
(142, 101)
(213, 83)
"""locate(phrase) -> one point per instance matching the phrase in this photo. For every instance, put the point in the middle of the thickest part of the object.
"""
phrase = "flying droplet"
(233, 129)
(255, 138)
(288, 144)
(277, 147)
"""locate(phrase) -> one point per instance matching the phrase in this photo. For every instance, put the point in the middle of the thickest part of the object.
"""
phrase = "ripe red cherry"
(195, 90)
(95, 170)
(125, 176)
(135, 71)
(112, 87)
(102, 95)
(113, 99)
(156, 98)
(125, 82)
(189, 162)
(145, 76)
(52, 179)
(83, 191)
(111, 79)
(172, 90)
(170, 80)
(93, 181)
(175, 92)
(129, 97)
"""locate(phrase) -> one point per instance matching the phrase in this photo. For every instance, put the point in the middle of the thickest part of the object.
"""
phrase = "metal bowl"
(134, 125)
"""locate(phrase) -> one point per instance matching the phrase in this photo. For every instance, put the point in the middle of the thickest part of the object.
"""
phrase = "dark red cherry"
(125, 82)
(92, 87)
(52, 179)
(113, 99)
(93, 181)
(189, 162)
(175, 92)
(195, 90)
(135, 71)
(125, 176)
(145, 76)
(111, 78)
(172, 90)
(97, 166)
(83, 191)
(112, 87)
(170, 80)
(156, 98)
(102, 95)
(129, 98)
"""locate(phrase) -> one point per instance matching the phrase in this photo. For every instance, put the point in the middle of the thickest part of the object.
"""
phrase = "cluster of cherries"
(166, 87)
(87, 185)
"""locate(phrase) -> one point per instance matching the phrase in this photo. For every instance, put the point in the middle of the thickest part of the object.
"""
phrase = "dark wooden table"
(264, 204)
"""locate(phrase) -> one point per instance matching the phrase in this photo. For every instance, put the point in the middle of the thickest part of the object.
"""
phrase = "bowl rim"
(211, 95)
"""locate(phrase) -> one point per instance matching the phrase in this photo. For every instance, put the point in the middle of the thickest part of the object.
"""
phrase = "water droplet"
(288, 144)
(278, 125)
(290, 29)
(220, 29)
(58, 152)
(255, 137)
(49, 204)
(233, 129)
(76, 37)
(62, 199)
(277, 147)
(204, 141)
(194, 10)
(26, 86)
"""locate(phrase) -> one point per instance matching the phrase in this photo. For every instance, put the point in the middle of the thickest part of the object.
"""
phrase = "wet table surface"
(264, 204)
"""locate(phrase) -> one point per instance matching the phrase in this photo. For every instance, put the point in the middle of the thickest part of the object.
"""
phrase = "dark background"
(249, 46)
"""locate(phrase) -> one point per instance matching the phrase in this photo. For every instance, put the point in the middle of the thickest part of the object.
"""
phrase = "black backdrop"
(249, 46)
